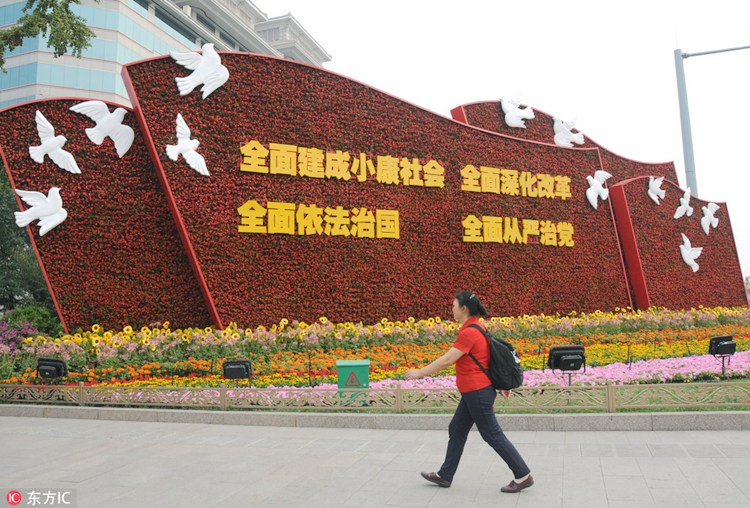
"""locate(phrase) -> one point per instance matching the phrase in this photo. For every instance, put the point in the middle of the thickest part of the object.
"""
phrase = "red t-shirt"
(469, 376)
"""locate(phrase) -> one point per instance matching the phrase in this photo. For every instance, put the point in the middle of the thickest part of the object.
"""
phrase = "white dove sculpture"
(596, 190)
(207, 70)
(684, 207)
(564, 136)
(654, 189)
(52, 146)
(690, 253)
(107, 125)
(514, 115)
(709, 221)
(186, 147)
(48, 209)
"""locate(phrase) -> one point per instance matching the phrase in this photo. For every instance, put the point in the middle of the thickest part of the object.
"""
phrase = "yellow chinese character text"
(252, 217)
(311, 162)
(490, 179)
(387, 224)
(472, 229)
(283, 159)
(470, 180)
(254, 157)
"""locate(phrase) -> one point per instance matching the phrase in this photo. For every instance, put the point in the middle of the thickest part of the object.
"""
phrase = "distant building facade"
(131, 30)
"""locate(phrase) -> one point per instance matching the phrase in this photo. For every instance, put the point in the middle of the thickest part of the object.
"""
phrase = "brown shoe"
(514, 487)
(434, 478)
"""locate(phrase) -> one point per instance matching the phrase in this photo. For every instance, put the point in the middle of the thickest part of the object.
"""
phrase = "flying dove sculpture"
(564, 135)
(709, 221)
(684, 207)
(514, 115)
(207, 70)
(655, 192)
(186, 147)
(107, 125)
(596, 190)
(52, 146)
(47, 209)
(690, 253)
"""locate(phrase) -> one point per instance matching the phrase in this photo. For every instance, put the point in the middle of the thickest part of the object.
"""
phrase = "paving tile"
(164, 464)
(620, 466)
(667, 450)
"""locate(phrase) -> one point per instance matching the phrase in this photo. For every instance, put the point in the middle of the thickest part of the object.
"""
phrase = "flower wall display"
(292, 192)
(652, 234)
(397, 232)
(489, 115)
(117, 258)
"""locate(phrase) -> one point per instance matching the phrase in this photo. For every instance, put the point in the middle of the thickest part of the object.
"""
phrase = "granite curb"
(676, 421)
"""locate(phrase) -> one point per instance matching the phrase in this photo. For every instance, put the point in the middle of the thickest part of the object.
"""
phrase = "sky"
(607, 65)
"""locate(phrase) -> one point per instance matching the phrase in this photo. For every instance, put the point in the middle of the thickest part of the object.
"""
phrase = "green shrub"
(41, 318)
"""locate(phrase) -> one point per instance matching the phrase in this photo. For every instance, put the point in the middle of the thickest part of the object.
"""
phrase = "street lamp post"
(687, 136)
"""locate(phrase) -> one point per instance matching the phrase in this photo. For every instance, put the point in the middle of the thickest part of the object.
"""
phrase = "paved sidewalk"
(156, 464)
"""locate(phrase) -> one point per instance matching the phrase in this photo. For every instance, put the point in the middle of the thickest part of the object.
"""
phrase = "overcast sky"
(608, 65)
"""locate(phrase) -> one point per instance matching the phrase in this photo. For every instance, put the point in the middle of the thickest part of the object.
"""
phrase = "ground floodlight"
(51, 368)
(237, 369)
(724, 347)
(567, 359)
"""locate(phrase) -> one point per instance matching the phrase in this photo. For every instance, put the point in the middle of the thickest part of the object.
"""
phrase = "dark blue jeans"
(478, 407)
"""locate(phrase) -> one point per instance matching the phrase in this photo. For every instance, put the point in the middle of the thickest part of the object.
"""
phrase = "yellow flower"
(128, 330)
(96, 328)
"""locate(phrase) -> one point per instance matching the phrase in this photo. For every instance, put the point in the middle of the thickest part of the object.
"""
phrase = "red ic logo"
(14, 498)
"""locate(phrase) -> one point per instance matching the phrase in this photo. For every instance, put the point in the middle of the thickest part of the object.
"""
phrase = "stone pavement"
(116, 463)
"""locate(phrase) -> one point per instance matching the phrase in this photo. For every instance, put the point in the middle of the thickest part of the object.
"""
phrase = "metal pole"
(687, 136)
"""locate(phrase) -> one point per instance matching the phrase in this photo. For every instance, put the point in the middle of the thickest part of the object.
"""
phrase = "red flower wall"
(256, 278)
(652, 239)
(117, 259)
(489, 115)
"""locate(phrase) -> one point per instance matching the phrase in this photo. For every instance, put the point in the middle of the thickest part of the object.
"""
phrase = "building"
(131, 30)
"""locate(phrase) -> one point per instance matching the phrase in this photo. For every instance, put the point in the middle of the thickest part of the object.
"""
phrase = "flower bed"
(301, 354)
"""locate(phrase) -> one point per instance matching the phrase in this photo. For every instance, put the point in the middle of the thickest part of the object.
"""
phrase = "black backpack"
(505, 370)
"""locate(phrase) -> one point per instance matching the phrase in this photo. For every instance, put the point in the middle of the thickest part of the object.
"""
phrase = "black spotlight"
(723, 346)
(567, 359)
(237, 369)
(51, 368)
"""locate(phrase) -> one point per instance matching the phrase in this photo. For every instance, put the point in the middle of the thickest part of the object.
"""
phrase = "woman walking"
(477, 398)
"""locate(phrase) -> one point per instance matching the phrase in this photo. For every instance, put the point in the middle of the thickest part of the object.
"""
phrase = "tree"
(53, 18)
(21, 279)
